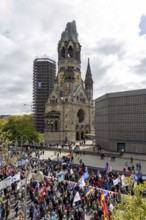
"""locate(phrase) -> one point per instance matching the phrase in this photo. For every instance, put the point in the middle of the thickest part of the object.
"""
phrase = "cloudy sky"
(112, 34)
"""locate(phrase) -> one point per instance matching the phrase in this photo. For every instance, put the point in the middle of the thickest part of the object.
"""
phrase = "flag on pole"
(60, 177)
(35, 213)
(85, 175)
(136, 177)
(77, 197)
(42, 190)
(105, 193)
(82, 183)
(88, 192)
(104, 207)
(71, 171)
(71, 186)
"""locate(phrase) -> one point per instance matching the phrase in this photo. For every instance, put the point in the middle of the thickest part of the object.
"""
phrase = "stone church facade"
(69, 112)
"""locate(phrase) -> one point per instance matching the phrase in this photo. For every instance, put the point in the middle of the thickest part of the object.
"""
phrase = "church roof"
(70, 32)
(88, 77)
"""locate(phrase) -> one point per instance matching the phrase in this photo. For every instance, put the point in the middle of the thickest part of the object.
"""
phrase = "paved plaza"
(96, 161)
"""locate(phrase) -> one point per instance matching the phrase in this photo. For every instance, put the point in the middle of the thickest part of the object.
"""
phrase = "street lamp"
(22, 138)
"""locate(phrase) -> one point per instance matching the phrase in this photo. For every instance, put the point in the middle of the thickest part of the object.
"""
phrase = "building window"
(52, 101)
(51, 126)
(80, 115)
(56, 125)
(63, 52)
(70, 52)
(53, 121)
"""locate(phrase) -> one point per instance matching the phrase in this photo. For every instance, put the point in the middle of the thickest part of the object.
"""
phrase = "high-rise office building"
(44, 71)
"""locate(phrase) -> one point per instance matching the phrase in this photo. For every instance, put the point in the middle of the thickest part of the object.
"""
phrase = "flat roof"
(122, 94)
(45, 58)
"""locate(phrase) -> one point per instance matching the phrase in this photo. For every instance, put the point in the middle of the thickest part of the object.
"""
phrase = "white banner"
(5, 183)
(9, 180)
(15, 178)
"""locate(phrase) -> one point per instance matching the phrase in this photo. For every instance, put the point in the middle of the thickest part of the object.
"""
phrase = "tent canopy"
(91, 136)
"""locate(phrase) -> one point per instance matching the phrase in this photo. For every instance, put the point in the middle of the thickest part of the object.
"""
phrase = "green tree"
(2, 124)
(20, 128)
(4, 135)
(132, 207)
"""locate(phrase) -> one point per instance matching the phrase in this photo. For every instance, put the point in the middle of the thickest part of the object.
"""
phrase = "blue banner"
(20, 163)
(39, 85)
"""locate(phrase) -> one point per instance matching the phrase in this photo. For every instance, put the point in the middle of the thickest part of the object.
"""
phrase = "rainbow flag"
(104, 207)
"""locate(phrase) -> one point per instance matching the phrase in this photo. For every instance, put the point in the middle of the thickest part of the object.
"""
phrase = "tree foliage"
(20, 128)
(2, 124)
(132, 207)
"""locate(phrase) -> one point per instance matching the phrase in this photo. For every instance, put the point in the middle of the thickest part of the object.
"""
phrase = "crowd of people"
(66, 192)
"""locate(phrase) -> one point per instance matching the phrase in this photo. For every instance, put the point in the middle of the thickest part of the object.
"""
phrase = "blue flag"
(60, 177)
(136, 177)
(71, 186)
(35, 213)
(105, 193)
(85, 176)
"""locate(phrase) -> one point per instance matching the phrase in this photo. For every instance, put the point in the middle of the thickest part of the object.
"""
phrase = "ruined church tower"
(69, 112)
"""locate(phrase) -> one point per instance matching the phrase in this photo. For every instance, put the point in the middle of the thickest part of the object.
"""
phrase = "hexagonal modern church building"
(69, 112)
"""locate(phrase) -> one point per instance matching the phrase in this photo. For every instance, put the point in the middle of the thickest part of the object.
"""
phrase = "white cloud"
(108, 32)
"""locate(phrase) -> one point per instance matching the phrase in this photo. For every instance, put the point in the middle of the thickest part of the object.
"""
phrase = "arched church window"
(70, 52)
(80, 115)
(56, 125)
(52, 121)
(51, 126)
(63, 52)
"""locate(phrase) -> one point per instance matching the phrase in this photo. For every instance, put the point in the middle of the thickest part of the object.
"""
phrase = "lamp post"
(21, 138)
